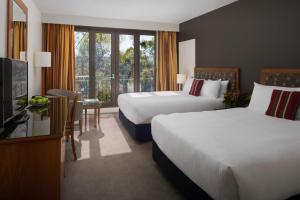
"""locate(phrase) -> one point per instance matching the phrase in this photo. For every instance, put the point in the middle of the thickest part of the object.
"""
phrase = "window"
(82, 62)
(113, 61)
(126, 63)
(147, 63)
(103, 66)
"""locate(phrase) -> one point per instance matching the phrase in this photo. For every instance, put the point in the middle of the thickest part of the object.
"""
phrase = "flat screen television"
(13, 89)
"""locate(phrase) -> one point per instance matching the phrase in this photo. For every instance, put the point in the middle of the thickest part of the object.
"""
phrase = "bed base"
(139, 132)
(185, 185)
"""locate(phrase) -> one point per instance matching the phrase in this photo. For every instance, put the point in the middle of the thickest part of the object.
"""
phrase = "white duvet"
(141, 107)
(233, 154)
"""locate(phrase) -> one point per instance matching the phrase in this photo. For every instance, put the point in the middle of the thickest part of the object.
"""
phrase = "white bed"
(136, 110)
(233, 154)
(141, 107)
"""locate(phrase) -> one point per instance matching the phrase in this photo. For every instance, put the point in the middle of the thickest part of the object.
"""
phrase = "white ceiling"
(162, 11)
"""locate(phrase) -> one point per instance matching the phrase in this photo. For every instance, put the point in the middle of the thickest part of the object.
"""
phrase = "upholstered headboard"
(286, 77)
(224, 73)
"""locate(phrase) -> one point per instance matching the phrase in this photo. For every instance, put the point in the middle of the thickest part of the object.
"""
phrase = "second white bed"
(141, 107)
(233, 154)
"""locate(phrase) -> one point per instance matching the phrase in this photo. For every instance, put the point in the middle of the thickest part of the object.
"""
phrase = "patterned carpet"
(112, 166)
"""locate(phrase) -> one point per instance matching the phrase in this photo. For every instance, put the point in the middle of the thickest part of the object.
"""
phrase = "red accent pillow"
(196, 87)
(284, 104)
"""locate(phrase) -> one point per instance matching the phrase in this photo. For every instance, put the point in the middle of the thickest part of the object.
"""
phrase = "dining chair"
(69, 127)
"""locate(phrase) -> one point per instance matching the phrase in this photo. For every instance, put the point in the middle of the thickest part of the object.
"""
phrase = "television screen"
(2, 60)
(15, 88)
(19, 86)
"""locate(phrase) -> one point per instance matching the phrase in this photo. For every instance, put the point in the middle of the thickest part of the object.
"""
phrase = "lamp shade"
(181, 78)
(43, 59)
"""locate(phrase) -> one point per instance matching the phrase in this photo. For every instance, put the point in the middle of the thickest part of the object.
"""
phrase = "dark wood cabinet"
(32, 156)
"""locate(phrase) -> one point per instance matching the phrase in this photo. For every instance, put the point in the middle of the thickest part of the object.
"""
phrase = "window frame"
(115, 33)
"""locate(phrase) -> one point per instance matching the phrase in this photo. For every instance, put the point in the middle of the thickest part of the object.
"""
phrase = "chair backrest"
(62, 92)
(70, 95)
(73, 109)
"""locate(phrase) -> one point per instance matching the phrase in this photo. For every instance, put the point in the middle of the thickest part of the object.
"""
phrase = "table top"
(46, 121)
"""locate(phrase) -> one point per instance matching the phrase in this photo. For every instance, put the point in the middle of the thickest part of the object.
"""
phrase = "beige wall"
(34, 42)
(187, 57)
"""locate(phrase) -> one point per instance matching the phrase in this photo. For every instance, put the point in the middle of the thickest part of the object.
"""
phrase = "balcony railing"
(82, 84)
(103, 86)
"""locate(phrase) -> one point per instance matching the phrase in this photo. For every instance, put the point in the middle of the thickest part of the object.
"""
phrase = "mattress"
(233, 154)
(141, 107)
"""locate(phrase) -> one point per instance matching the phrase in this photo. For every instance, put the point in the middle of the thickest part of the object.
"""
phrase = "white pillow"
(223, 88)
(187, 85)
(261, 97)
(211, 88)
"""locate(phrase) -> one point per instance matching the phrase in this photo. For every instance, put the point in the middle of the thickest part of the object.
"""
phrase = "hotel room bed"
(231, 154)
(136, 110)
(141, 107)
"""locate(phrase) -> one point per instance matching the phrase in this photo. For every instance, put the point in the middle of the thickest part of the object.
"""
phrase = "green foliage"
(104, 96)
(103, 64)
(233, 100)
(82, 53)
(147, 65)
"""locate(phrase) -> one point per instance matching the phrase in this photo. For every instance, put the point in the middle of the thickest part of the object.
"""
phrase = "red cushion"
(284, 104)
(196, 87)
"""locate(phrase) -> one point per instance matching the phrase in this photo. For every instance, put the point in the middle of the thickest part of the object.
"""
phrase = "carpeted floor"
(111, 166)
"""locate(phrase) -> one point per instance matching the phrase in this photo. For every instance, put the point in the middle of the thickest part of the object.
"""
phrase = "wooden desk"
(32, 156)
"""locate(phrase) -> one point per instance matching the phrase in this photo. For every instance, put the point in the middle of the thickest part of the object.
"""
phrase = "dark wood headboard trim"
(265, 70)
(235, 70)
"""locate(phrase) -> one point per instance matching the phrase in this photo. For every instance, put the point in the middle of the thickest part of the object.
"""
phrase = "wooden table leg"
(99, 115)
(95, 117)
(85, 118)
(80, 126)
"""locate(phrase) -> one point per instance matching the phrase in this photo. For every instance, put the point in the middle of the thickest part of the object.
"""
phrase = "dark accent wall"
(248, 34)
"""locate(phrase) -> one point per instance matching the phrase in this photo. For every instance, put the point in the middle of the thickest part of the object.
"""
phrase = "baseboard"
(104, 110)
(109, 110)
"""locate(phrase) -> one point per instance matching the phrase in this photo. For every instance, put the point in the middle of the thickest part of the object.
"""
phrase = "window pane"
(126, 64)
(103, 67)
(82, 62)
(147, 63)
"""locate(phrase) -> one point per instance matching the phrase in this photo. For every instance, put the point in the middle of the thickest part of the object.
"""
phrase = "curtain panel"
(167, 65)
(59, 40)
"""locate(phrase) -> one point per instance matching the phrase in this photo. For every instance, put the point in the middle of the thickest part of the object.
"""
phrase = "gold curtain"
(167, 66)
(19, 38)
(59, 40)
